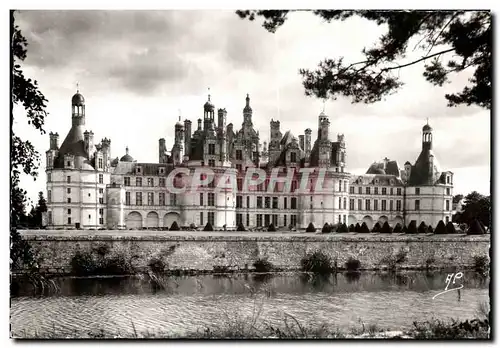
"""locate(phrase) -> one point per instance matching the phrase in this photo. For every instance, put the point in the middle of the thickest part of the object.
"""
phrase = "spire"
(208, 93)
(77, 87)
(247, 108)
(126, 150)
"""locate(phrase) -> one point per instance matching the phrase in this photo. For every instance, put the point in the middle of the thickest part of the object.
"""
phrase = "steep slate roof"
(392, 168)
(370, 179)
(420, 173)
(73, 145)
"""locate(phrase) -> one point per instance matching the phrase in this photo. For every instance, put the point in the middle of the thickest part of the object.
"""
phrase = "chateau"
(305, 180)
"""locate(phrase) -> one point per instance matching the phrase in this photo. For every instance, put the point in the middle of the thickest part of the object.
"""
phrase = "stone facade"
(86, 189)
(191, 252)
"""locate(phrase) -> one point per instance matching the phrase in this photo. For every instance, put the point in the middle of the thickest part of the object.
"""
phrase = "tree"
(357, 228)
(342, 228)
(364, 228)
(311, 228)
(430, 229)
(451, 42)
(457, 198)
(440, 228)
(240, 227)
(271, 228)
(208, 227)
(422, 228)
(412, 227)
(23, 156)
(476, 206)
(352, 228)
(475, 228)
(386, 228)
(376, 227)
(40, 209)
(174, 226)
(326, 228)
(398, 228)
(450, 229)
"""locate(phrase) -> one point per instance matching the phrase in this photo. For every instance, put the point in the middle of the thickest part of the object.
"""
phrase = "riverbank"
(193, 252)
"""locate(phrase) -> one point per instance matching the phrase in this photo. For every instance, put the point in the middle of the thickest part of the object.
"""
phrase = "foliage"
(386, 228)
(208, 227)
(481, 263)
(475, 228)
(450, 41)
(352, 264)
(412, 227)
(376, 228)
(357, 228)
(343, 228)
(88, 264)
(450, 229)
(192, 226)
(430, 229)
(311, 228)
(263, 265)
(405, 229)
(174, 226)
(437, 329)
(157, 265)
(397, 228)
(326, 228)
(364, 228)
(316, 262)
(422, 228)
(240, 227)
(271, 228)
(457, 198)
(440, 228)
(352, 228)
(476, 206)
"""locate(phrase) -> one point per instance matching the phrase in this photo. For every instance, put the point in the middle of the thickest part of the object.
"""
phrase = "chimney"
(187, 137)
(199, 124)
(301, 141)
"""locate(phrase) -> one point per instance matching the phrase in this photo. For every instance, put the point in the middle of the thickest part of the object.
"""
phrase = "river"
(190, 303)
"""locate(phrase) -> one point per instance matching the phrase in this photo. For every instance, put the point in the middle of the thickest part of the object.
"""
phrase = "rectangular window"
(239, 202)
(345, 185)
(293, 157)
(284, 220)
(267, 202)
(417, 204)
(275, 202)
(417, 190)
(161, 182)
(275, 220)
(239, 155)
(248, 201)
(384, 190)
(69, 211)
(447, 179)
(49, 217)
(259, 202)
(360, 190)
(384, 205)
(151, 198)
(391, 205)
(367, 204)
(161, 198)
(392, 191)
(173, 199)
(360, 207)
(68, 190)
(69, 221)
(340, 185)
(239, 182)
(293, 203)
(69, 200)
(201, 199)
(238, 167)
(211, 149)
(239, 219)
(101, 200)
(351, 204)
(340, 202)
(150, 181)
(100, 163)
(211, 218)
(126, 181)
(49, 177)
(345, 203)
(340, 219)
(259, 220)
(447, 205)
(399, 191)
(138, 181)
(284, 203)
(375, 204)
(351, 189)
(101, 179)
(201, 218)
(101, 221)
(248, 219)
(375, 190)
(368, 190)
(293, 220)
(101, 190)
(398, 205)
(211, 199)
(266, 220)
(101, 211)
(138, 198)
(447, 191)
(127, 198)
(294, 186)
(211, 163)
(344, 218)
(68, 179)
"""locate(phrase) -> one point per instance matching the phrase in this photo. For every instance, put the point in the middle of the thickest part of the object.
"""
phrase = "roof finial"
(77, 87)
(126, 150)
(208, 93)
(427, 120)
(179, 115)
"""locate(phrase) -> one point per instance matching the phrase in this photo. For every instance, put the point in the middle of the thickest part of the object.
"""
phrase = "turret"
(307, 138)
(78, 109)
(54, 141)
(427, 137)
(162, 149)
(208, 113)
(247, 112)
(88, 143)
(106, 151)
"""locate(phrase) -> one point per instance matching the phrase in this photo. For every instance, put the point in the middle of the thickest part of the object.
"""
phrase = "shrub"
(208, 227)
(326, 228)
(450, 229)
(174, 226)
(311, 228)
(352, 228)
(83, 264)
(357, 228)
(157, 265)
(412, 227)
(240, 227)
(422, 228)
(397, 228)
(316, 262)
(376, 227)
(352, 264)
(192, 226)
(364, 228)
(405, 229)
(475, 228)
(386, 228)
(334, 227)
(430, 229)
(343, 228)
(263, 265)
(440, 228)
(117, 265)
(481, 263)
(271, 228)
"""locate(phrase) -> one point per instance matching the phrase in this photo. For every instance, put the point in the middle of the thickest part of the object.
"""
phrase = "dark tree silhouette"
(412, 227)
(398, 228)
(476, 206)
(342, 228)
(376, 227)
(326, 228)
(208, 227)
(357, 228)
(440, 228)
(311, 228)
(352, 228)
(271, 228)
(364, 228)
(240, 227)
(386, 228)
(430, 229)
(23, 156)
(174, 226)
(422, 228)
(450, 229)
(451, 42)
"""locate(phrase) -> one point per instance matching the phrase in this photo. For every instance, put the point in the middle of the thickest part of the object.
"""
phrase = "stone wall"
(205, 252)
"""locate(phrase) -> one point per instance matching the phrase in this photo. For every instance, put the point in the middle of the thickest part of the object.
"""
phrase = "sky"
(140, 70)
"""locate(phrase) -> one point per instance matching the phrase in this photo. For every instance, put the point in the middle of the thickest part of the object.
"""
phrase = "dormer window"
(138, 170)
(162, 170)
(293, 157)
